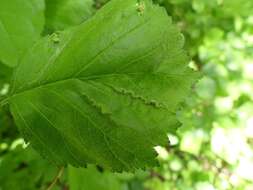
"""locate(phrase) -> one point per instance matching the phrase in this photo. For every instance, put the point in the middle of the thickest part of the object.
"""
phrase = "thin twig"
(56, 179)
(156, 174)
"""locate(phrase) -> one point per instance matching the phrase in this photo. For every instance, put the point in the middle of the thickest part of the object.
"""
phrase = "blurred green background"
(213, 150)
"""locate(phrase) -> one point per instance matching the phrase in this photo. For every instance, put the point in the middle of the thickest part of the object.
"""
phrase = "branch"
(56, 179)
(158, 175)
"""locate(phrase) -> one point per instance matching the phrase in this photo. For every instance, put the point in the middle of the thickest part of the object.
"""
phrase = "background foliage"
(213, 148)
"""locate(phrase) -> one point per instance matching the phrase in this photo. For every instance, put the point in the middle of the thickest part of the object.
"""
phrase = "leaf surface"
(61, 14)
(21, 23)
(104, 92)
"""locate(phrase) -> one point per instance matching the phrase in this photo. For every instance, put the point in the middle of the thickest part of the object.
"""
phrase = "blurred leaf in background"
(90, 178)
(23, 169)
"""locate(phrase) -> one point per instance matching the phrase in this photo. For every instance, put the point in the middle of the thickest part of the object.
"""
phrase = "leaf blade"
(21, 23)
(99, 108)
(63, 14)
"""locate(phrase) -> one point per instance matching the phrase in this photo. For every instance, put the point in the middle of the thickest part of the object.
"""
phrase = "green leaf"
(104, 92)
(90, 178)
(21, 23)
(61, 14)
(23, 169)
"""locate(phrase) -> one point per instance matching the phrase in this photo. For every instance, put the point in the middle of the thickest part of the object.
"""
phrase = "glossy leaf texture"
(61, 14)
(21, 23)
(104, 92)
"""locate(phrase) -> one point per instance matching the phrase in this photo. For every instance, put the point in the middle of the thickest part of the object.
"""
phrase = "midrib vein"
(75, 75)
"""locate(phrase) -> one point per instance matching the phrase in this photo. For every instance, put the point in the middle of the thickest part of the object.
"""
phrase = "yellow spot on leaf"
(141, 7)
